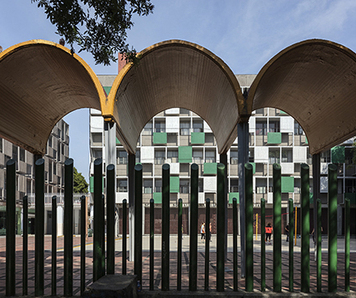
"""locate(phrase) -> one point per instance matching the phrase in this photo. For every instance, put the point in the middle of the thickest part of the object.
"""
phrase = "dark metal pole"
(124, 235)
(54, 245)
(180, 238)
(332, 228)
(347, 245)
(277, 243)
(234, 242)
(316, 189)
(10, 227)
(68, 227)
(193, 253)
(263, 245)
(305, 229)
(152, 243)
(110, 216)
(291, 247)
(165, 226)
(25, 247)
(138, 223)
(220, 214)
(207, 244)
(39, 227)
(318, 244)
(249, 227)
(83, 236)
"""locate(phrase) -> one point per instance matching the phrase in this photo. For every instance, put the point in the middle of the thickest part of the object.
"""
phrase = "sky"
(244, 34)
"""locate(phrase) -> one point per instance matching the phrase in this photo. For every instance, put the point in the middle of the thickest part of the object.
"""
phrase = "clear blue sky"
(245, 34)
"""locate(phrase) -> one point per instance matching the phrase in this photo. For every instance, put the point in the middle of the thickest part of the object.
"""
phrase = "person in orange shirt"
(268, 232)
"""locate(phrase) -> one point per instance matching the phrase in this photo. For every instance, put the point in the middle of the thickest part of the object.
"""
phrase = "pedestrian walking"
(268, 232)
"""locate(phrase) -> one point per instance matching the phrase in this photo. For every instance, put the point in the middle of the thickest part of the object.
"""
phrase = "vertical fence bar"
(277, 229)
(54, 245)
(124, 236)
(110, 217)
(165, 226)
(152, 243)
(318, 255)
(263, 245)
(207, 244)
(180, 235)
(220, 214)
(25, 247)
(256, 225)
(193, 252)
(249, 227)
(332, 228)
(138, 224)
(305, 229)
(347, 245)
(68, 227)
(234, 242)
(83, 236)
(39, 227)
(10, 227)
(291, 247)
(98, 249)
(295, 225)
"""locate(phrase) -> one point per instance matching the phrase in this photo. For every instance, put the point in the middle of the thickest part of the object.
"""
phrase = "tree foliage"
(97, 26)
(80, 185)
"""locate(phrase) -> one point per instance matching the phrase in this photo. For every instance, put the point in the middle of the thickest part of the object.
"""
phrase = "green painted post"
(234, 242)
(347, 245)
(152, 243)
(332, 228)
(98, 250)
(318, 243)
(180, 235)
(39, 227)
(68, 227)
(83, 236)
(110, 216)
(138, 223)
(305, 229)
(263, 245)
(220, 237)
(249, 227)
(277, 229)
(207, 244)
(124, 236)
(10, 227)
(193, 252)
(54, 245)
(25, 247)
(291, 246)
(165, 227)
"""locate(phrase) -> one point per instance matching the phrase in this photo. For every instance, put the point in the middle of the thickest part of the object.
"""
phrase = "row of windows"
(274, 126)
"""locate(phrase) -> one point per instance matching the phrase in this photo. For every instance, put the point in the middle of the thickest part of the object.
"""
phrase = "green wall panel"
(274, 138)
(159, 138)
(287, 184)
(197, 138)
(107, 89)
(185, 154)
(91, 184)
(117, 141)
(253, 167)
(338, 154)
(157, 197)
(174, 184)
(210, 168)
(234, 195)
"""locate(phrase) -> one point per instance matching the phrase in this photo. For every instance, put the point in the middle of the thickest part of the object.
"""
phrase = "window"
(184, 185)
(50, 141)
(198, 125)
(233, 157)
(96, 139)
(28, 169)
(22, 154)
(97, 153)
(210, 156)
(122, 185)
(158, 185)
(160, 157)
(274, 156)
(14, 153)
(261, 189)
(160, 126)
(197, 156)
(261, 127)
(172, 155)
(147, 130)
(138, 156)
(54, 168)
(234, 185)
(147, 186)
(297, 128)
(50, 171)
(251, 155)
(121, 157)
(184, 128)
(0, 145)
(274, 126)
(287, 155)
(200, 185)
(325, 156)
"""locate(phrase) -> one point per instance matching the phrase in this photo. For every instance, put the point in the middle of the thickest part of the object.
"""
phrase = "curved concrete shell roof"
(40, 82)
(175, 74)
(315, 82)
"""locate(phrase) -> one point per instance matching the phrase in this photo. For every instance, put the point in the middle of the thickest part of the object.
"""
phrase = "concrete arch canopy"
(315, 82)
(175, 74)
(40, 82)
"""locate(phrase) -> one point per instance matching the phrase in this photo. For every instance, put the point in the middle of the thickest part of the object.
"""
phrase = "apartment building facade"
(180, 137)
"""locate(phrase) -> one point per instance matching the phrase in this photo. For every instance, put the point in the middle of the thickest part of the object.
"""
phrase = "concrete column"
(131, 176)
(243, 150)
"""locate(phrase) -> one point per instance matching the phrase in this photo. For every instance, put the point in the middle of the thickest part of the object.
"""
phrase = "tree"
(97, 26)
(80, 185)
